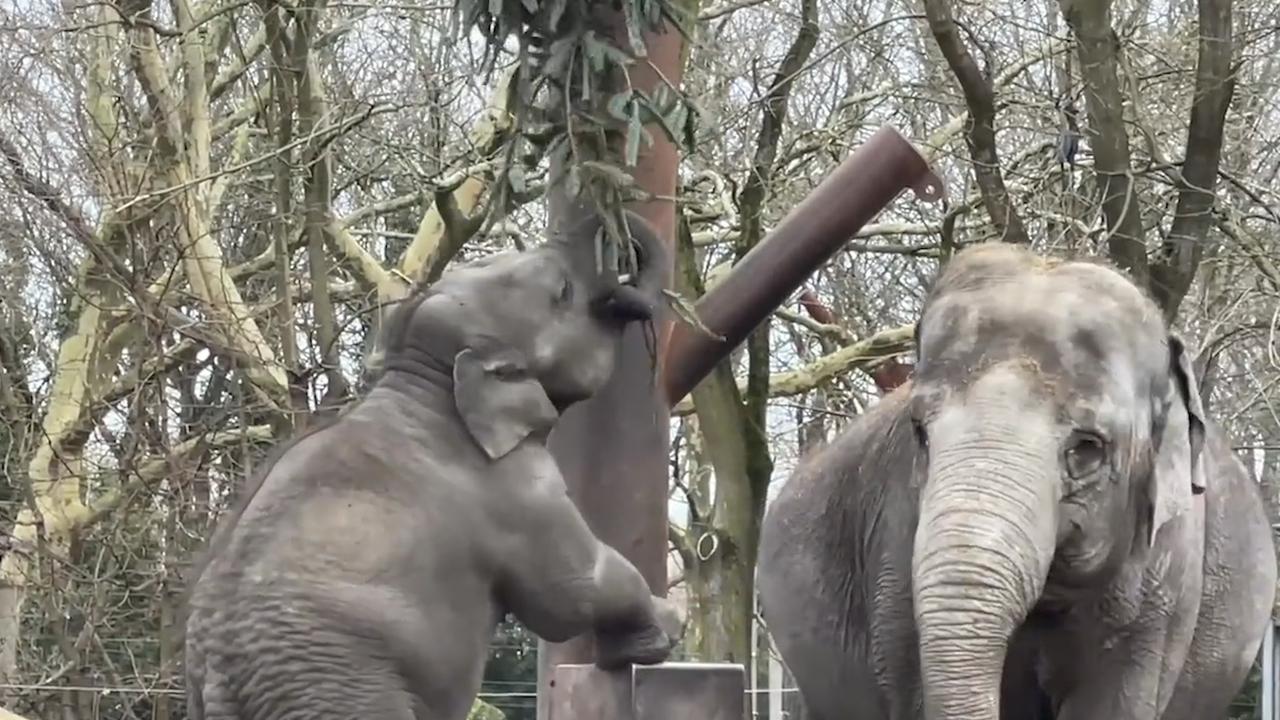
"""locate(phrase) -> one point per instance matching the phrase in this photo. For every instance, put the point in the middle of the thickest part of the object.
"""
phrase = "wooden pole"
(612, 449)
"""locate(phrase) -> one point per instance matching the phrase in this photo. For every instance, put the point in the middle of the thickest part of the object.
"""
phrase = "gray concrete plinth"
(670, 691)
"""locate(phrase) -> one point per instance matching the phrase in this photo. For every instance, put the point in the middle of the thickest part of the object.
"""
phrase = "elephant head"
(1060, 429)
(517, 337)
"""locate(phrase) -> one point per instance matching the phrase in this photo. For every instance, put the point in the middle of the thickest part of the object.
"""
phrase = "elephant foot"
(646, 647)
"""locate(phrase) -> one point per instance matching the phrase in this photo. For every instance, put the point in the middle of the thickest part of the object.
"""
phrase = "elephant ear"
(1179, 467)
(499, 402)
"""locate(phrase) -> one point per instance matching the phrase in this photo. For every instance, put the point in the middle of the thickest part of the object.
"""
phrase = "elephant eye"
(1086, 455)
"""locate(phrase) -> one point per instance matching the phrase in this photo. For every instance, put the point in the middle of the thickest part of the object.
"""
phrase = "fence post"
(669, 691)
(1267, 698)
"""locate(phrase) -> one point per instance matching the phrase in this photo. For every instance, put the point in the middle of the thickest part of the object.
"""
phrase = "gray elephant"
(365, 575)
(1041, 524)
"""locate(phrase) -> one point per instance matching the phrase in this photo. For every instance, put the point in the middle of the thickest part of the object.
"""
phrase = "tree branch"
(47, 194)
(980, 134)
(433, 246)
(152, 471)
(936, 144)
(318, 210)
(863, 355)
(1099, 48)
(1180, 254)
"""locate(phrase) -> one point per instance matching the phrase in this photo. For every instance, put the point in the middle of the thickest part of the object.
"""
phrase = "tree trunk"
(52, 506)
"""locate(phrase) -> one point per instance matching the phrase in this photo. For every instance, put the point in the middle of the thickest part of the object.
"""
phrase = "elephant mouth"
(563, 401)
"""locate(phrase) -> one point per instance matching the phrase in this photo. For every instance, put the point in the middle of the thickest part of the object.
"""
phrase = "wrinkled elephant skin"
(1041, 524)
(365, 574)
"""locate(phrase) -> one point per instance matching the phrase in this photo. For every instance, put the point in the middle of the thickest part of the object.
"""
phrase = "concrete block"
(669, 691)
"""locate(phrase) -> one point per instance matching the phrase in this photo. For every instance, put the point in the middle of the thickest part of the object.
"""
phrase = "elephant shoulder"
(845, 487)
(1227, 476)
(875, 453)
(1236, 507)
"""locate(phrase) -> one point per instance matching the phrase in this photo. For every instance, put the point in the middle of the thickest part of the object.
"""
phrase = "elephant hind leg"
(1235, 607)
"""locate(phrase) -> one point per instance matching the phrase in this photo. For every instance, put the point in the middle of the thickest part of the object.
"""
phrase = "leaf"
(646, 136)
(617, 105)
(632, 12)
(618, 56)
(686, 312)
(495, 8)
(555, 14)
(516, 179)
(531, 6)
(633, 262)
(598, 243)
(560, 55)
(668, 128)
(634, 129)
(690, 124)
(573, 184)
(660, 97)
(612, 234)
(609, 251)
(654, 15)
(673, 122)
(594, 50)
(613, 175)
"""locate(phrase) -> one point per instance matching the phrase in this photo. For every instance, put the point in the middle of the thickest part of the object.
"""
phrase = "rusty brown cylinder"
(859, 188)
(612, 449)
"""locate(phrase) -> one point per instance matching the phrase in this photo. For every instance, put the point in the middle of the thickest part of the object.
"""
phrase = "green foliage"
(512, 670)
(481, 710)
(1246, 704)
(571, 108)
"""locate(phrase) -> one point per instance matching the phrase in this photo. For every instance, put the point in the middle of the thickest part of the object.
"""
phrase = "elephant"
(1041, 523)
(366, 572)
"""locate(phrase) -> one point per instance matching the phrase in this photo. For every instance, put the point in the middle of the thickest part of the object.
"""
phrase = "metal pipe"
(859, 188)
(612, 448)
(1268, 698)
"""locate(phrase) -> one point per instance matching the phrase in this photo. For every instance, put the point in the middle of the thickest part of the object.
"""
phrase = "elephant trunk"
(982, 552)
(632, 297)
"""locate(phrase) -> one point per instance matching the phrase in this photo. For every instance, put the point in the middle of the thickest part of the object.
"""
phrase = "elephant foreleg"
(568, 582)
(1133, 676)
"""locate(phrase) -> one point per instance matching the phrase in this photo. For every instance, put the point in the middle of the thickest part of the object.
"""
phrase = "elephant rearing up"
(1041, 524)
(366, 573)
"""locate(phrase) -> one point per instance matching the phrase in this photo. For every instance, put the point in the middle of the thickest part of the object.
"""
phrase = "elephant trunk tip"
(626, 304)
(634, 296)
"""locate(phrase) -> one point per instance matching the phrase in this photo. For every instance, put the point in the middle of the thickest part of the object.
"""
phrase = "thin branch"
(47, 194)
(152, 471)
(980, 135)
